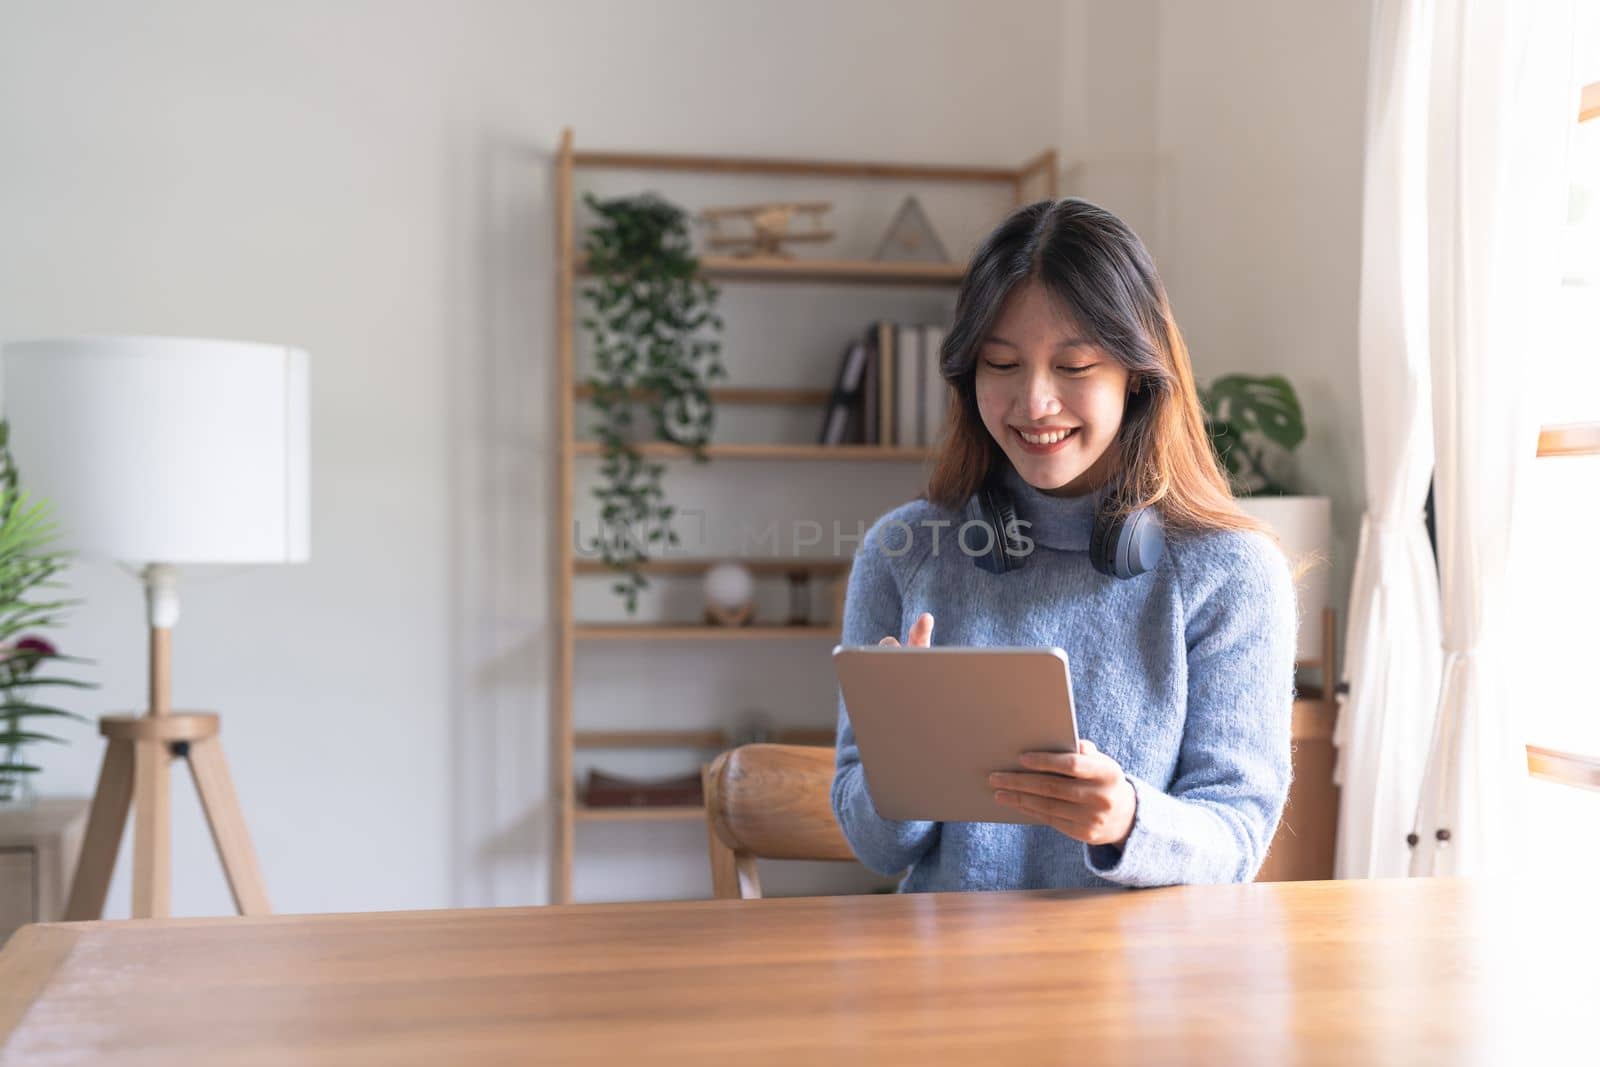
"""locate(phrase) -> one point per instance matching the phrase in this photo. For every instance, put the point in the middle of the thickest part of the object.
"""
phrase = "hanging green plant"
(653, 334)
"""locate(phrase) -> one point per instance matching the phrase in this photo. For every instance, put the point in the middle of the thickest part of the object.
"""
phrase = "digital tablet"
(933, 723)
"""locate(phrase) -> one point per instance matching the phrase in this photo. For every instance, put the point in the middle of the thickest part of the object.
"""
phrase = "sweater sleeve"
(1214, 821)
(872, 611)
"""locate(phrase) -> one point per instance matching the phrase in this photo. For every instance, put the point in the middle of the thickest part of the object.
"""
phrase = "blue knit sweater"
(1183, 675)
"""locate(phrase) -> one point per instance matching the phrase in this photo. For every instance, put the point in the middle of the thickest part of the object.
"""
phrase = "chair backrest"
(769, 802)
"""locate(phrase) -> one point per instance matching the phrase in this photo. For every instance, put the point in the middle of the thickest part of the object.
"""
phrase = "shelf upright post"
(561, 710)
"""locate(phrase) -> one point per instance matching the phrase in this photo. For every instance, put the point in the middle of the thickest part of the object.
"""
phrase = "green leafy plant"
(652, 325)
(1254, 424)
(28, 566)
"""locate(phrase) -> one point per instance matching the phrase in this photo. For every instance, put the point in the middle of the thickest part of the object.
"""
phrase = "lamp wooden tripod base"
(137, 769)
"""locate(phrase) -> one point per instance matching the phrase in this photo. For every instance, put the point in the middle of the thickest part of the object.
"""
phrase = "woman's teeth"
(1044, 439)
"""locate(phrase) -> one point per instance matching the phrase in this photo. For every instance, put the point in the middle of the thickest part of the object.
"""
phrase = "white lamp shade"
(165, 450)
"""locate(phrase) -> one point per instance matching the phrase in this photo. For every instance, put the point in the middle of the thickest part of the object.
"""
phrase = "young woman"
(1076, 399)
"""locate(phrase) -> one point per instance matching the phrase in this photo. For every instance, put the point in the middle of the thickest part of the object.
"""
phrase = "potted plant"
(1255, 424)
(651, 314)
(27, 566)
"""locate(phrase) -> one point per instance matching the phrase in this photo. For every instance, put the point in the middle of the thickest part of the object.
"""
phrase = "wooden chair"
(768, 802)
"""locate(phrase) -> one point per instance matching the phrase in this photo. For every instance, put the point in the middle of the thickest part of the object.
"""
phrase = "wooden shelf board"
(841, 271)
(709, 739)
(765, 450)
(836, 168)
(649, 739)
(753, 395)
(695, 567)
(696, 632)
(639, 813)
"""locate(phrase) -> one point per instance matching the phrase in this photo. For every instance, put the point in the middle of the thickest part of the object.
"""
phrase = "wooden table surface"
(1402, 972)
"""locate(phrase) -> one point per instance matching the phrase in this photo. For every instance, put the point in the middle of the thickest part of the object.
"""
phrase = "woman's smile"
(1043, 443)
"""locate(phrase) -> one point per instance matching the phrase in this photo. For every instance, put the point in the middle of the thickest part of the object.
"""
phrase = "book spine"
(936, 392)
(886, 394)
(846, 391)
(871, 430)
(908, 385)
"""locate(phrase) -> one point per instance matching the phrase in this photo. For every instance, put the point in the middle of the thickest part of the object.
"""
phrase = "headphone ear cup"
(1007, 547)
(1106, 531)
(1146, 542)
(1129, 546)
(995, 509)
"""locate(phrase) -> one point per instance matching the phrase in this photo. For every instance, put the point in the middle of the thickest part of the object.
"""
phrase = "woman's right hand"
(921, 635)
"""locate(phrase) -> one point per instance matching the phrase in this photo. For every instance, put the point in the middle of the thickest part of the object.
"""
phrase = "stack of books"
(888, 390)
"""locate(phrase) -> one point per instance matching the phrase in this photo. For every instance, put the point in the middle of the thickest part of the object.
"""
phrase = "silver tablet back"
(932, 723)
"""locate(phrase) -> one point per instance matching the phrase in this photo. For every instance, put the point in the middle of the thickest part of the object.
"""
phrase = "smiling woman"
(1076, 420)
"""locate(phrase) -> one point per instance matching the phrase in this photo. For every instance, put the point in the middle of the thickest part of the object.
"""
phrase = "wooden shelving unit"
(707, 739)
(656, 631)
(1035, 178)
(686, 566)
(763, 450)
(674, 813)
(825, 271)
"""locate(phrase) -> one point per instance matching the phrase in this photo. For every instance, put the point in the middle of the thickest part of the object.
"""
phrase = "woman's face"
(1039, 375)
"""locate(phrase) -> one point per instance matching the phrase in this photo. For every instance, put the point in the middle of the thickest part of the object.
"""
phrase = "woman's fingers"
(921, 635)
(1070, 819)
(1087, 763)
(1051, 786)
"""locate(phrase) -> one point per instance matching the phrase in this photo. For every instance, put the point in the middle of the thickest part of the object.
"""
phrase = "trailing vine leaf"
(651, 328)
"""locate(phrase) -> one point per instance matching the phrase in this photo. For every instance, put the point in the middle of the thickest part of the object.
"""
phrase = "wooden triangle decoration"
(910, 237)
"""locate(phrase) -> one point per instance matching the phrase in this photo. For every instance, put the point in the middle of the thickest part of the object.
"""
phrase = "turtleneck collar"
(1064, 522)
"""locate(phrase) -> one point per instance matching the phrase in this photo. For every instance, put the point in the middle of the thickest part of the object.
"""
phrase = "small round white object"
(729, 586)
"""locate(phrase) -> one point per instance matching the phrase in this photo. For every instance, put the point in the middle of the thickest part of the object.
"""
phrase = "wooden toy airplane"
(769, 225)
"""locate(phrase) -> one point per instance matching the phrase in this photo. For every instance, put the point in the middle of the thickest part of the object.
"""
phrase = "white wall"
(1259, 129)
(1229, 135)
(371, 181)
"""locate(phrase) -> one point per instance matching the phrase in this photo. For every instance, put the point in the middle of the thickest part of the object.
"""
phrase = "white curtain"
(1391, 664)
(1504, 106)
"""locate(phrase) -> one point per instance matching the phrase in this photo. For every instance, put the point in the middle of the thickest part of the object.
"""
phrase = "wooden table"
(1401, 972)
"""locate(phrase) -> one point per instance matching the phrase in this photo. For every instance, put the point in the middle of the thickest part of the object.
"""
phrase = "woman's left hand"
(1084, 794)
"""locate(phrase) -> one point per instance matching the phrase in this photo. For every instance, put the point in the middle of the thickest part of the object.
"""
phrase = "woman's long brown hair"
(1099, 270)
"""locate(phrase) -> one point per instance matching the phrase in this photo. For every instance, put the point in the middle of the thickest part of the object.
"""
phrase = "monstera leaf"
(1242, 412)
(1260, 405)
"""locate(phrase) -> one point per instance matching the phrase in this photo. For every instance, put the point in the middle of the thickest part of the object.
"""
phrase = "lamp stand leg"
(103, 837)
(139, 750)
(138, 766)
(152, 830)
(221, 804)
